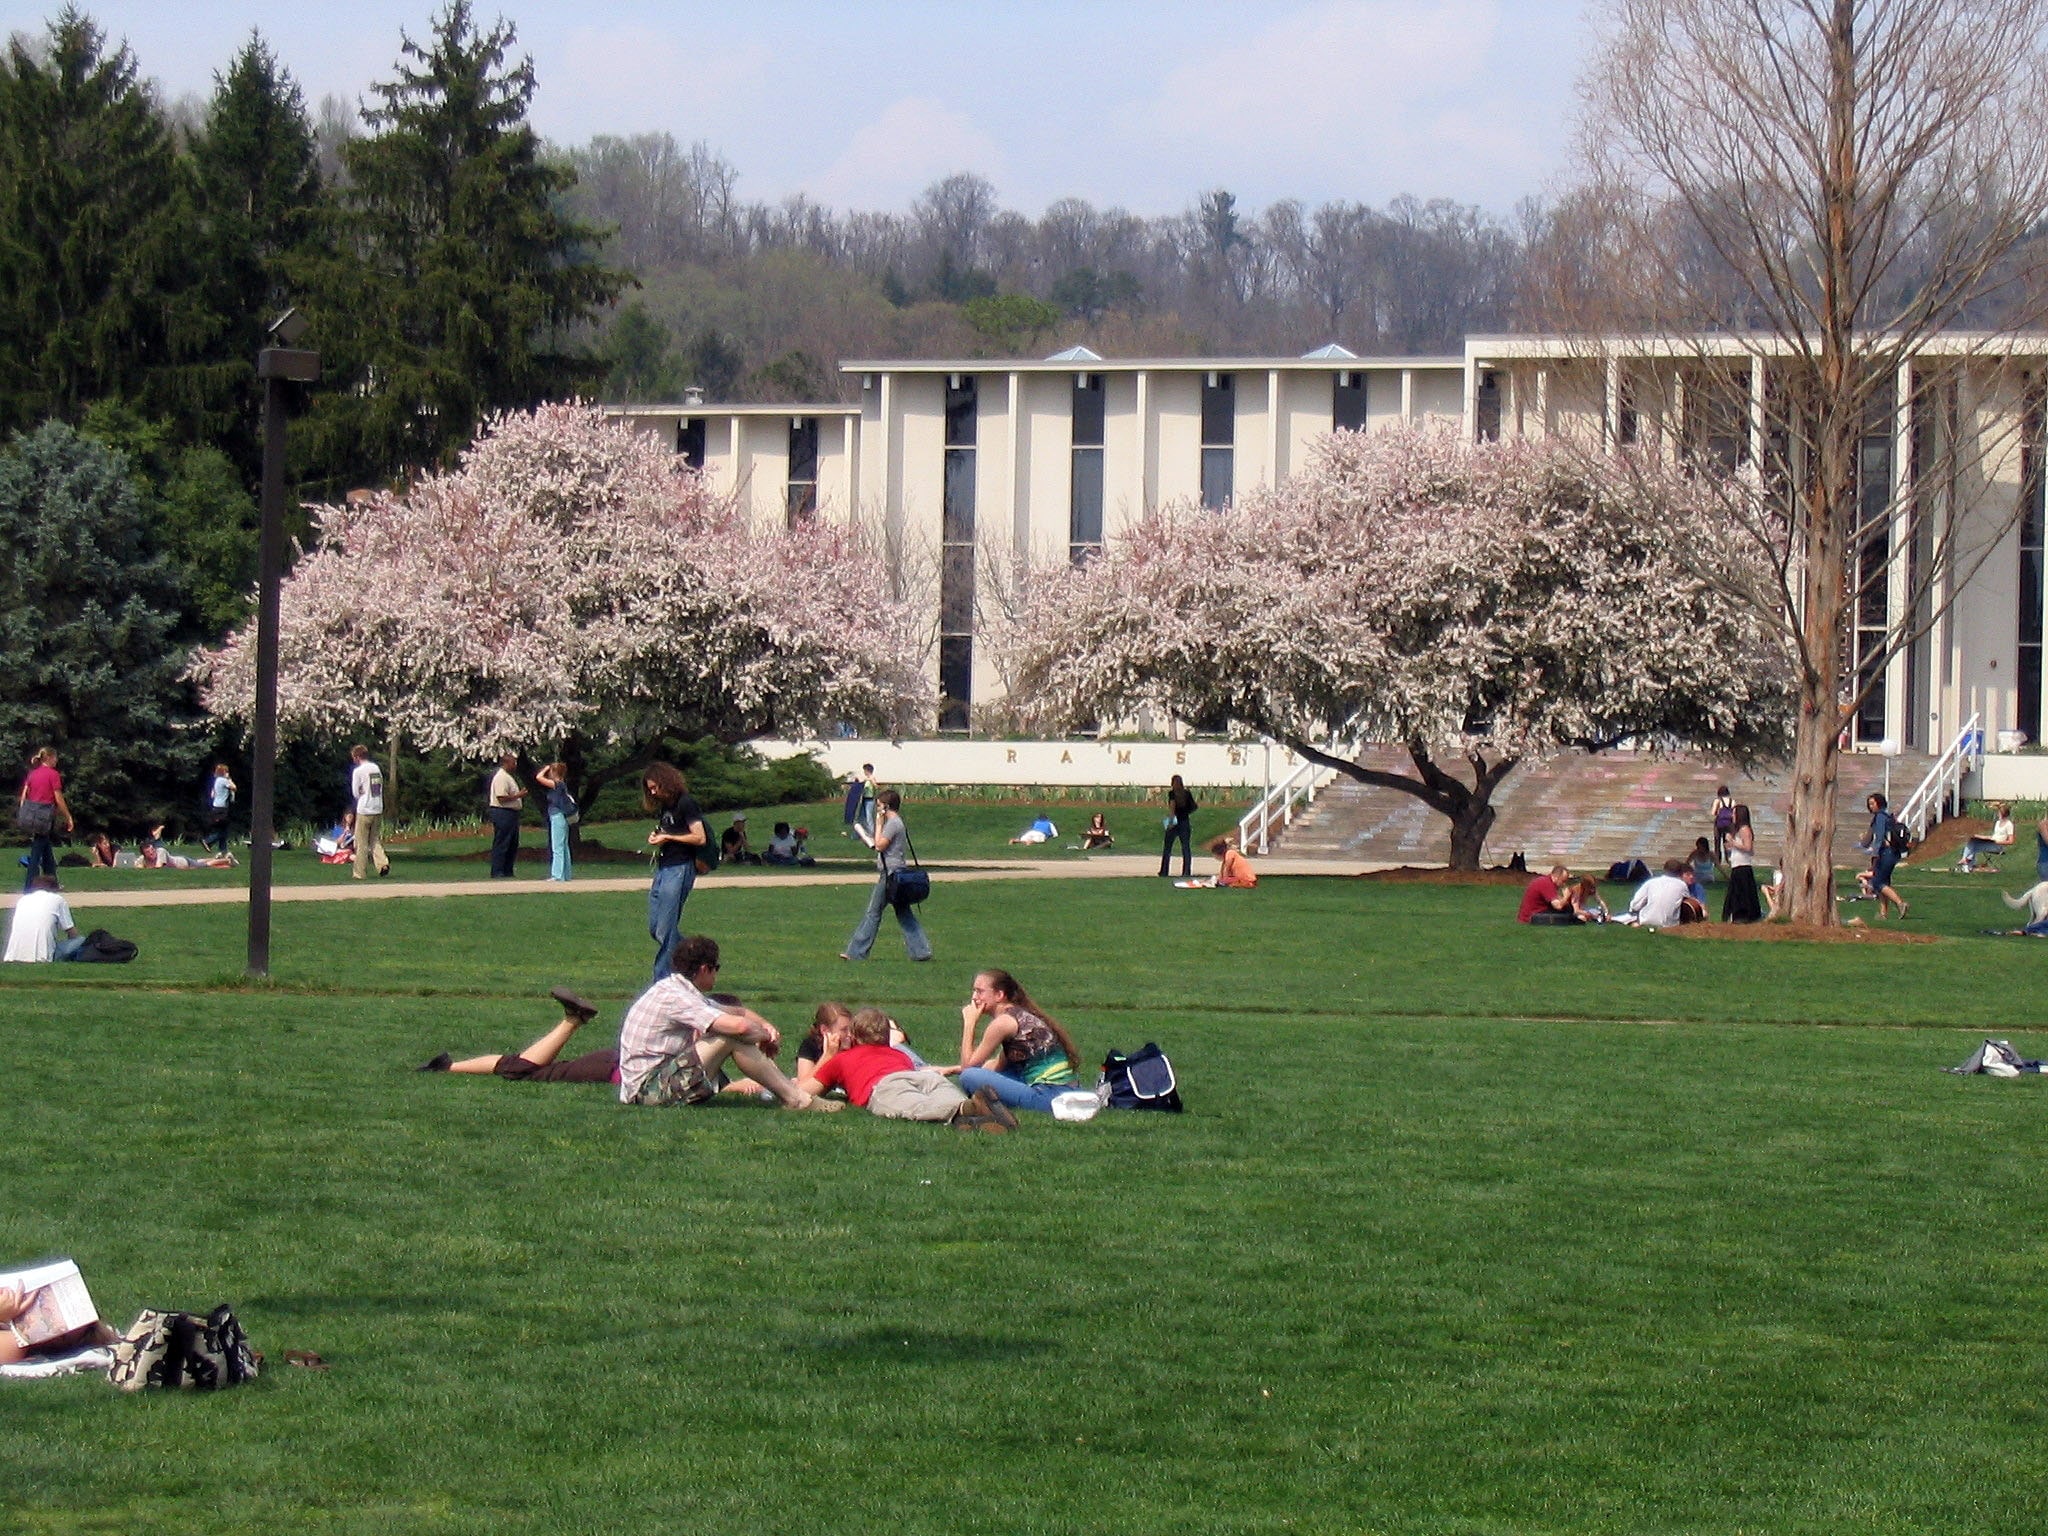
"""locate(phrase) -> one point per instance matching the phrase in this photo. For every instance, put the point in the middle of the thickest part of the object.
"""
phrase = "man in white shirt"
(220, 794)
(366, 787)
(505, 795)
(1658, 901)
(674, 1039)
(40, 917)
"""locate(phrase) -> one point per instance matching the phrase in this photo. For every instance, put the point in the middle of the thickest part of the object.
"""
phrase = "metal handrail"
(1256, 827)
(1941, 791)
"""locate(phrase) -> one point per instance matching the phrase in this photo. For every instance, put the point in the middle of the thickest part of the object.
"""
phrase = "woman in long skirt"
(1742, 903)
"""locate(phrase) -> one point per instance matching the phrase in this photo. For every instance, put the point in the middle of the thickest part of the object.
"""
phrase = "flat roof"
(834, 409)
(1151, 364)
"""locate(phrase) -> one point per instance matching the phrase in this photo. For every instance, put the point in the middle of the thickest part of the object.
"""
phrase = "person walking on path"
(891, 842)
(220, 794)
(366, 788)
(1181, 808)
(504, 798)
(1742, 904)
(678, 839)
(561, 806)
(1884, 855)
(37, 812)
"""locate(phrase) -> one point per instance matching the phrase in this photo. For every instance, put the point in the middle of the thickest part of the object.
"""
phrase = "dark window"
(1871, 604)
(2032, 523)
(1219, 437)
(1347, 403)
(1486, 408)
(1628, 425)
(690, 442)
(1084, 506)
(956, 590)
(959, 497)
(956, 681)
(803, 468)
(960, 411)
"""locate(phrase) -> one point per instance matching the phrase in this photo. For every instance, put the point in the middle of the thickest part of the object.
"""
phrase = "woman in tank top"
(1035, 1060)
(1741, 904)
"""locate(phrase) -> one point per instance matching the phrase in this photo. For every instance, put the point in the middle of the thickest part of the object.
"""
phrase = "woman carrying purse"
(891, 842)
(36, 813)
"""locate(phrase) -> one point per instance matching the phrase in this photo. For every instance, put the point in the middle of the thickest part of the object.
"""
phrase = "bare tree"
(1816, 218)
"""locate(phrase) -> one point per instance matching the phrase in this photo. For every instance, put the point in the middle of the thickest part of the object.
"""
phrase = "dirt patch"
(1409, 874)
(1800, 933)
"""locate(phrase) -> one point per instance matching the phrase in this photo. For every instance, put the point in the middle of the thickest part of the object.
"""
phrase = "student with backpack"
(1886, 843)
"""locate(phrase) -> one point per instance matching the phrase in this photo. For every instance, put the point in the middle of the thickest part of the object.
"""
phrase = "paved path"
(1110, 867)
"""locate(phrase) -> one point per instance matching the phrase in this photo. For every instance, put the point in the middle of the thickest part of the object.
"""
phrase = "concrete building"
(972, 467)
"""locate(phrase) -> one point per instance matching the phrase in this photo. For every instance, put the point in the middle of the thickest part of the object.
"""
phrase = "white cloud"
(889, 160)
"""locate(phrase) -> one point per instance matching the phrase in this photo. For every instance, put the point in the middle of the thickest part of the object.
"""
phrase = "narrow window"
(803, 469)
(956, 558)
(1486, 408)
(1219, 438)
(2028, 716)
(690, 441)
(1347, 403)
(1872, 600)
(1084, 514)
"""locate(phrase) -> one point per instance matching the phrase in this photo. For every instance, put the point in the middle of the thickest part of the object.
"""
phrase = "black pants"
(1181, 830)
(504, 840)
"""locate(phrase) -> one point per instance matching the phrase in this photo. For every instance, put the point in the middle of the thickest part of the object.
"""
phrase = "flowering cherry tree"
(570, 582)
(1478, 605)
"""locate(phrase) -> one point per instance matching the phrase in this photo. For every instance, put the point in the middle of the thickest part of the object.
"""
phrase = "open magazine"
(51, 1301)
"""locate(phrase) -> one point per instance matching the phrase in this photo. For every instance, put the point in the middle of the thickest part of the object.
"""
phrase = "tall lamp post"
(277, 365)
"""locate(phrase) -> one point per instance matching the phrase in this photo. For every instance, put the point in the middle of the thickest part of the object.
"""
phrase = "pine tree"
(89, 663)
(100, 281)
(460, 277)
(257, 171)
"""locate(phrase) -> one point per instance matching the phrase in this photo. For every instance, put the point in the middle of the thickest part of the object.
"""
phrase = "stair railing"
(1941, 793)
(1277, 808)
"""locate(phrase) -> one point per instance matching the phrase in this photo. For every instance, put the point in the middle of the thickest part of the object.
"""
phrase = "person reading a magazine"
(47, 1311)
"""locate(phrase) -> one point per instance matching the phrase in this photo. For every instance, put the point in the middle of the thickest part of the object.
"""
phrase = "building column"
(1275, 470)
(1145, 442)
(1610, 425)
(1407, 394)
(1471, 405)
(1898, 586)
(737, 484)
(1759, 412)
(1020, 479)
(850, 448)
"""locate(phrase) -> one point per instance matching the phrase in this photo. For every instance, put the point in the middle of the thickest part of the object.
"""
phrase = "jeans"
(665, 900)
(67, 949)
(2040, 856)
(504, 840)
(914, 937)
(40, 861)
(1014, 1091)
(558, 843)
(1180, 829)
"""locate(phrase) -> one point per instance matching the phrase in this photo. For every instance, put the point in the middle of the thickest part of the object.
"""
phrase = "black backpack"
(102, 948)
(1901, 838)
(1142, 1080)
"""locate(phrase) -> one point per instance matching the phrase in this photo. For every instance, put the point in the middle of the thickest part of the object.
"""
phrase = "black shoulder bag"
(907, 887)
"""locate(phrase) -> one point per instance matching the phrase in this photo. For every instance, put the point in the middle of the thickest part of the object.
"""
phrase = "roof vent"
(1329, 353)
(1076, 355)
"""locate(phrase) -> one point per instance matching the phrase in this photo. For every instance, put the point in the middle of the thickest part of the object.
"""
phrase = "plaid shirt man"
(665, 1022)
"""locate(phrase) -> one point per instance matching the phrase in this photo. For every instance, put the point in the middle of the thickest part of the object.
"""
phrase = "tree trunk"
(1469, 807)
(1809, 855)
(1469, 825)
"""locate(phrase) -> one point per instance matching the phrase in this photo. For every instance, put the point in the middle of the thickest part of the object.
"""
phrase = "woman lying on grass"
(538, 1063)
(1038, 1059)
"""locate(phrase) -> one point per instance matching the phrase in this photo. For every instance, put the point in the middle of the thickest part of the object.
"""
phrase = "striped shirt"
(664, 1021)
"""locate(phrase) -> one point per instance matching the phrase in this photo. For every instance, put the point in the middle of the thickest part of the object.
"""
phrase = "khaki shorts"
(678, 1080)
(923, 1094)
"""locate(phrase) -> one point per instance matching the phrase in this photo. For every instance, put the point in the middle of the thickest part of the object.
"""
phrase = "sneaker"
(440, 1063)
(575, 1006)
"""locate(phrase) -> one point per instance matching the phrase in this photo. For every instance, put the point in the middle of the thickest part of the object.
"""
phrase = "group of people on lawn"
(679, 1037)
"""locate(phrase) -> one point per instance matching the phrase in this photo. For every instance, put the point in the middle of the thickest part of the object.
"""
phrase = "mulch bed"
(1800, 933)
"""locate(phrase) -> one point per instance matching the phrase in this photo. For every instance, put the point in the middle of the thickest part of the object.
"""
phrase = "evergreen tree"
(257, 171)
(88, 613)
(100, 290)
(460, 277)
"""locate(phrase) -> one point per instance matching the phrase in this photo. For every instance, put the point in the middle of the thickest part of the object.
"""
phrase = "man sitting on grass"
(42, 929)
(1661, 901)
(886, 1082)
(674, 1039)
(1547, 899)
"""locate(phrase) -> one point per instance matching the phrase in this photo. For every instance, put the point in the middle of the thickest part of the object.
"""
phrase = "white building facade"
(973, 469)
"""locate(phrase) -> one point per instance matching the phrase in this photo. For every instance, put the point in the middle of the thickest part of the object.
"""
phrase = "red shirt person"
(1546, 893)
(38, 812)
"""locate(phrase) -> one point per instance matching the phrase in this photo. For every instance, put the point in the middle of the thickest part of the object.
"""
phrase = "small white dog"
(2034, 902)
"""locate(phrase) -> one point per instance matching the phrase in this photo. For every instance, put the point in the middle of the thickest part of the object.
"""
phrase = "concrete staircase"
(1586, 812)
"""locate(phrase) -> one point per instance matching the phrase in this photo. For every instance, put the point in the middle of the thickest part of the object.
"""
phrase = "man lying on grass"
(674, 1039)
(886, 1082)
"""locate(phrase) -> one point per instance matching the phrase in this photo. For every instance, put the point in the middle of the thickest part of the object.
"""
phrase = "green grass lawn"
(943, 833)
(1469, 1228)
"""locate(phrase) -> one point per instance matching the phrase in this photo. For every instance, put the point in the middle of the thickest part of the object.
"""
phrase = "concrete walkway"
(1106, 867)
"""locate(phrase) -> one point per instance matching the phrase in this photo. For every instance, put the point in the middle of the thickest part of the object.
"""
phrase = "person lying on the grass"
(1547, 898)
(674, 1039)
(1038, 1059)
(889, 1082)
(540, 1062)
(104, 854)
(156, 856)
(1041, 830)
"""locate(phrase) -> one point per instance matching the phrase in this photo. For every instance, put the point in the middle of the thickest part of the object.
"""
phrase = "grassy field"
(943, 833)
(1469, 1228)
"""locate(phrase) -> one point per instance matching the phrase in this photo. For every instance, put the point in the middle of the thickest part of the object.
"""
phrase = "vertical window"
(1486, 408)
(1347, 403)
(1872, 599)
(1219, 438)
(956, 558)
(2028, 717)
(803, 469)
(690, 441)
(1084, 507)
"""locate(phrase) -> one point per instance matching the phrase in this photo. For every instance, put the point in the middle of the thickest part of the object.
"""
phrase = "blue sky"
(1132, 102)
